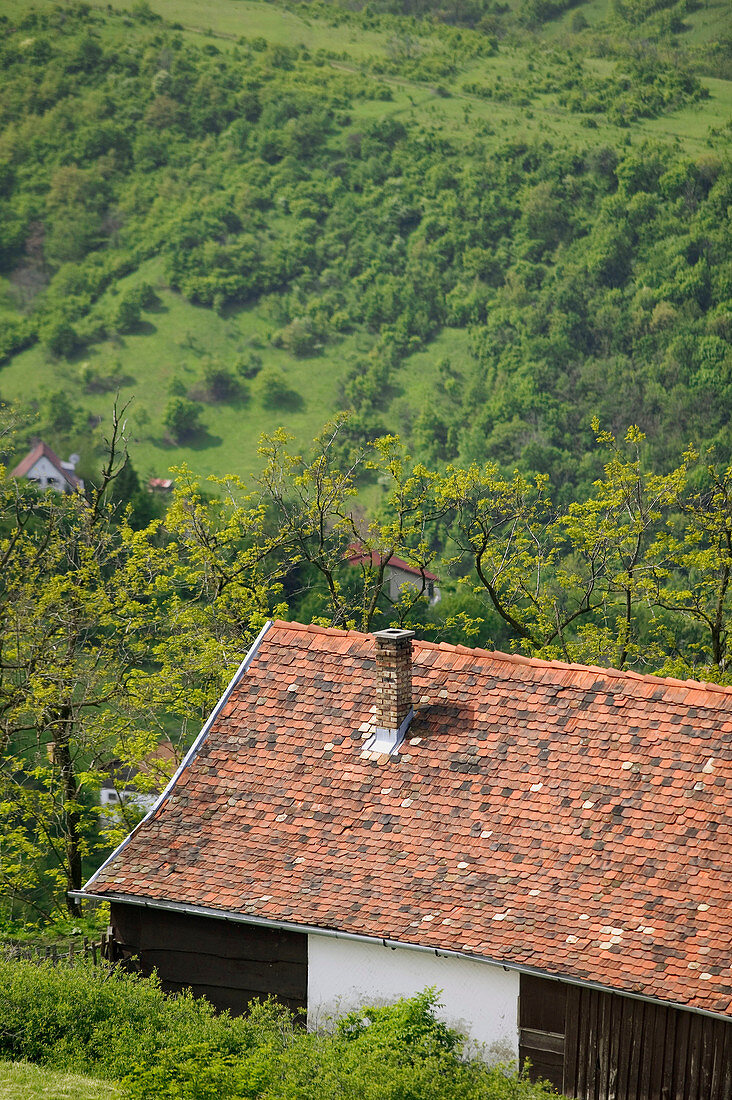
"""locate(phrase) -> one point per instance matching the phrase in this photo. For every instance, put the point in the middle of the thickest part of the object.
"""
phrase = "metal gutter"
(190, 755)
(334, 933)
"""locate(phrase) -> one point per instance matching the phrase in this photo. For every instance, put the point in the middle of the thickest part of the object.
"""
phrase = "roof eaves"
(314, 930)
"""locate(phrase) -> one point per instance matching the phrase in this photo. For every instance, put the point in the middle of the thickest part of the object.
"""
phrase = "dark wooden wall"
(602, 1046)
(226, 962)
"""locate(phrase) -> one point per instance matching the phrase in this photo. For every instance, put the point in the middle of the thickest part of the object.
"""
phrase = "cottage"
(44, 468)
(160, 485)
(398, 574)
(548, 844)
(122, 786)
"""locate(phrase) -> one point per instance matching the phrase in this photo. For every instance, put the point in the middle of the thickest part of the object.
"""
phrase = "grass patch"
(172, 345)
(22, 1081)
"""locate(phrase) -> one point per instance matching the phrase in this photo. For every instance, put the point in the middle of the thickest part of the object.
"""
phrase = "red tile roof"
(42, 450)
(356, 556)
(570, 819)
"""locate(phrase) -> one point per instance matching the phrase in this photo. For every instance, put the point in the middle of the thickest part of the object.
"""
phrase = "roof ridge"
(314, 628)
(521, 659)
(605, 670)
(51, 454)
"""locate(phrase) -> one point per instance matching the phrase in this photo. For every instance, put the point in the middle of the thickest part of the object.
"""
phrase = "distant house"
(548, 844)
(398, 573)
(160, 485)
(44, 468)
(121, 786)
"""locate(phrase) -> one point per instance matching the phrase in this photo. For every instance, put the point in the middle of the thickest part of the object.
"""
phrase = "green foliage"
(58, 413)
(86, 1019)
(181, 418)
(271, 388)
(61, 338)
(119, 1026)
(348, 217)
(114, 634)
(126, 492)
(128, 307)
(220, 382)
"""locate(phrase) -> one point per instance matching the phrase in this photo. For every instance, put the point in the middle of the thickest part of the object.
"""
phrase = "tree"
(691, 566)
(127, 312)
(64, 591)
(58, 414)
(271, 388)
(221, 383)
(61, 338)
(313, 501)
(620, 520)
(567, 584)
(109, 638)
(181, 418)
(127, 493)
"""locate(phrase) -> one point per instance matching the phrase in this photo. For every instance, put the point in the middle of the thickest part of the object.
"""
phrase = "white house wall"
(400, 578)
(45, 473)
(478, 999)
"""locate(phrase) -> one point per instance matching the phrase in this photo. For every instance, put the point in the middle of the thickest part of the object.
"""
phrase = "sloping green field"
(177, 337)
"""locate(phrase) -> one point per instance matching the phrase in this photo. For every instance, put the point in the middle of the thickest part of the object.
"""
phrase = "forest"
(481, 282)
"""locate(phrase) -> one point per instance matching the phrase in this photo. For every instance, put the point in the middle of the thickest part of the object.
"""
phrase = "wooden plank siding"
(542, 1012)
(227, 962)
(619, 1048)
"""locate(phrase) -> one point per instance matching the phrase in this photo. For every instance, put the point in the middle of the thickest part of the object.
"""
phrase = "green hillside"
(476, 225)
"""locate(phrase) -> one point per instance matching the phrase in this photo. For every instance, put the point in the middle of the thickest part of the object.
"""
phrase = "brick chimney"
(393, 688)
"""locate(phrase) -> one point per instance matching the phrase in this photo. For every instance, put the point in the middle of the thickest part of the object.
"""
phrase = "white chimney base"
(388, 741)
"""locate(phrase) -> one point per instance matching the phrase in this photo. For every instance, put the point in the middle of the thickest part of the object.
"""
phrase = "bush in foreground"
(122, 1027)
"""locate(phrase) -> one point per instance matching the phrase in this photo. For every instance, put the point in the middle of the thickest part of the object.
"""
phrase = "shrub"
(270, 387)
(126, 314)
(182, 418)
(57, 413)
(92, 1021)
(60, 338)
(221, 384)
(298, 337)
(248, 365)
(122, 1026)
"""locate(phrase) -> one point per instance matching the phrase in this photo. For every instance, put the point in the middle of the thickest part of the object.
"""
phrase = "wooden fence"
(98, 952)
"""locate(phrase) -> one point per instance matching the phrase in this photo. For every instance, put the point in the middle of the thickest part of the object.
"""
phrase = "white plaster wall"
(479, 999)
(110, 802)
(46, 473)
(399, 578)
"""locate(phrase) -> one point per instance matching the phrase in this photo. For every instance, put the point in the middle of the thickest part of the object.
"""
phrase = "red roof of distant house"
(570, 819)
(42, 450)
(356, 556)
